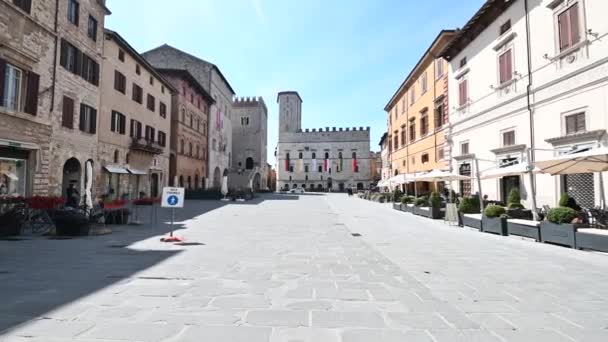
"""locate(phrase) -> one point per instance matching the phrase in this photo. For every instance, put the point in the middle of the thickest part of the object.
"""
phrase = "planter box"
(472, 220)
(397, 206)
(526, 228)
(421, 211)
(494, 225)
(591, 238)
(561, 234)
(408, 208)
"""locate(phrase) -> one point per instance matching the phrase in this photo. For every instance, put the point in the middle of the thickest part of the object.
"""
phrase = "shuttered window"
(575, 123)
(18, 89)
(162, 108)
(90, 70)
(67, 116)
(138, 94)
(88, 119)
(73, 12)
(151, 104)
(31, 95)
(463, 92)
(135, 130)
(120, 82)
(424, 124)
(150, 133)
(505, 66)
(118, 123)
(569, 27)
(412, 130)
(25, 5)
(162, 139)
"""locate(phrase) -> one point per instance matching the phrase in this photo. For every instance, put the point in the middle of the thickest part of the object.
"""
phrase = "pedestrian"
(73, 196)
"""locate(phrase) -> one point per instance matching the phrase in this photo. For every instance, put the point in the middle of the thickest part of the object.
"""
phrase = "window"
(412, 129)
(464, 148)
(137, 69)
(137, 94)
(314, 155)
(150, 133)
(306, 168)
(12, 79)
(424, 83)
(505, 27)
(88, 119)
(396, 141)
(214, 143)
(116, 156)
(92, 28)
(151, 80)
(25, 5)
(162, 138)
(508, 138)
(120, 82)
(300, 155)
(463, 62)
(90, 70)
(162, 109)
(183, 115)
(439, 115)
(396, 113)
(505, 66)
(440, 153)
(162, 89)
(575, 123)
(152, 103)
(403, 134)
(320, 168)
(135, 130)
(192, 98)
(413, 160)
(424, 158)
(118, 124)
(244, 121)
(181, 145)
(198, 125)
(412, 96)
(569, 27)
(424, 124)
(190, 149)
(73, 9)
(438, 68)
(121, 55)
(67, 116)
(463, 92)
(70, 57)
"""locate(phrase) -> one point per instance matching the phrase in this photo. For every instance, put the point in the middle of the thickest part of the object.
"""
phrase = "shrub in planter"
(71, 222)
(494, 211)
(396, 196)
(435, 200)
(381, 198)
(561, 215)
(515, 200)
(407, 199)
(421, 202)
(469, 205)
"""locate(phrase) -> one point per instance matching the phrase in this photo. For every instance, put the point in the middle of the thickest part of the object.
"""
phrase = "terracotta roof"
(486, 15)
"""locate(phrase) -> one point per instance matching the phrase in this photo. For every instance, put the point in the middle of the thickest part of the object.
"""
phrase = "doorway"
(154, 184)
(71, 175)
(506, 185)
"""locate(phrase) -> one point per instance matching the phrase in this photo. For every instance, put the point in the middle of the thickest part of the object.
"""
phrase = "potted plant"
(514, 207)
(406, 202)
(495, 220)
(435, 211)
(468, 210)
(396, 199)
(421, 206)
(559, 227)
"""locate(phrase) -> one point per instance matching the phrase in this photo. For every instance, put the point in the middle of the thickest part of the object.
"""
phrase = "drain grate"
(356, 234)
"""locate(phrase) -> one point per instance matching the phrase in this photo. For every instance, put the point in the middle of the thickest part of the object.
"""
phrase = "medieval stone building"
(319, 160)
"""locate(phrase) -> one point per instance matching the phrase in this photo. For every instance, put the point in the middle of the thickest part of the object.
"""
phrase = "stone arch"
(72, 171)
(225, 173)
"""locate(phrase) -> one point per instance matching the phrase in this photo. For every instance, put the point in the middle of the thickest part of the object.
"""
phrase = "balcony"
(144, 145)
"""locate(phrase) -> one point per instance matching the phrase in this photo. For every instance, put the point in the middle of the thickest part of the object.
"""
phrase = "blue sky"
(346, 58)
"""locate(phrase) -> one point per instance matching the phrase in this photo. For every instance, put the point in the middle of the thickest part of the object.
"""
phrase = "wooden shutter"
(27, 5)
(123, 124)
(67, 116)
(564, 31)
(2, 76)
(63, 60)
(570, 124)
(79, 62)
(93, 118)
(81, 124)
(31, 95)
(508, 65)
(95, 73)
(574, 24)
(113, 122)
(132, 128)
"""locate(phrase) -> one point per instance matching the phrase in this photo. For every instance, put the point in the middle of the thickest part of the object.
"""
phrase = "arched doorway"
(329, 183)
(216, 178)
(249, 163)
(71, 175)
(225, 174)
(154, 185)
(256, 182)
(341, 187)
(196, 184)
(359, 186)
(189, 183)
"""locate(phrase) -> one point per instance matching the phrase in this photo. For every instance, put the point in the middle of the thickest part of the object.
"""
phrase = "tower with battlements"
(323, 159)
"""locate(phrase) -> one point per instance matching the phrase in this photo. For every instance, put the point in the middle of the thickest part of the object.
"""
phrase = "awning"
(594, 160)
(401, 179)
(116, 169)
(440, 176)
(512, 170)
(136, 172)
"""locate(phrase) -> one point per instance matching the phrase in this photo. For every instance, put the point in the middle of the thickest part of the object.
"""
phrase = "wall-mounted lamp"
(593, 34)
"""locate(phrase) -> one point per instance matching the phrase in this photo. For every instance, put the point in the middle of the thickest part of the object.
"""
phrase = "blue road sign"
(172, 200)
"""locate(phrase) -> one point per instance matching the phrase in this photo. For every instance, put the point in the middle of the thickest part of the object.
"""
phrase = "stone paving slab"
(261, 275)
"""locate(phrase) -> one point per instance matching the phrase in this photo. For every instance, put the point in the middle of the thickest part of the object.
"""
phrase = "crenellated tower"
(290, 112)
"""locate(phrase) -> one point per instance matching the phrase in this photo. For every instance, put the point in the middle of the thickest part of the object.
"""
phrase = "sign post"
(172, 198)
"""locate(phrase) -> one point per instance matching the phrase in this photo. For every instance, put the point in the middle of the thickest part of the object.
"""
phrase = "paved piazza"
(286, 268)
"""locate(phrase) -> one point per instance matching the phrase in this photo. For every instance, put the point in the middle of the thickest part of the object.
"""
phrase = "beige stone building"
(49, 62)
(134, 124)
(189, 161)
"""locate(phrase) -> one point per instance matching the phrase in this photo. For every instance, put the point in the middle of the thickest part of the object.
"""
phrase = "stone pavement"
(286, 268)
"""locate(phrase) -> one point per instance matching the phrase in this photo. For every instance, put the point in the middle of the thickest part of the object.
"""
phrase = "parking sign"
(173, 197)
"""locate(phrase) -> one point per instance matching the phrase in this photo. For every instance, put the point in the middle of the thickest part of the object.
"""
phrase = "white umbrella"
(594, 160)
(225, 185)
(89, 184)
(440, 176)
(512, 170)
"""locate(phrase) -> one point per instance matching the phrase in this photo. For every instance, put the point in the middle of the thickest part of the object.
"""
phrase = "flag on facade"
(355, 167)
(314, 165)
(325, 164)
(287, 164)
(341, 167)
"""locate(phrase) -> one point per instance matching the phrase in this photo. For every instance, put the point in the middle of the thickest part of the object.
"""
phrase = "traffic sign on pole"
(172, 198)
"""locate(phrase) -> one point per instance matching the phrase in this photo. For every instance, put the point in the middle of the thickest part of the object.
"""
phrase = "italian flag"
(355, 166)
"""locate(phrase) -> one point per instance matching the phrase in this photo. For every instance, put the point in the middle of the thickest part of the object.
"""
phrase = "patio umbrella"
(88, 201)
(511, 170)
(589, 161)
(441, 176)
(225, 186)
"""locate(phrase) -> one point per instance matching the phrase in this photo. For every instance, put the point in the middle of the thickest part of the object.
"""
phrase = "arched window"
(249, 163)
(326, 155)
(340, 155)
(189, 182)
(190, 149)
(127, 158)
(191, 120)
(183, 115)
(314, 155)
(396, 172)
(181, 144)
(300, 155)
(287, 156)
(198, 151)
(181, 181)
(354, 155)
(116, 156)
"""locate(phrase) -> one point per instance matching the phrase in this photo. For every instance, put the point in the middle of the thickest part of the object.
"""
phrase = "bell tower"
(290, 112)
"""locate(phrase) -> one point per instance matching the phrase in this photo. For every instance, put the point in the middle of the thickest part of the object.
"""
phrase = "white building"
(529, 75)
(385, 154)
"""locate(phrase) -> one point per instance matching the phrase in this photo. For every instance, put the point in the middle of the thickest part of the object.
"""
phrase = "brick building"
(134, 124)
(49, 62)
(191, 103)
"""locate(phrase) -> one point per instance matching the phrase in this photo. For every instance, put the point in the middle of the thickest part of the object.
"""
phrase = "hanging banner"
(341, 167)
(355, 167)
(314, 165)
(287, 164)
(325, 165)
